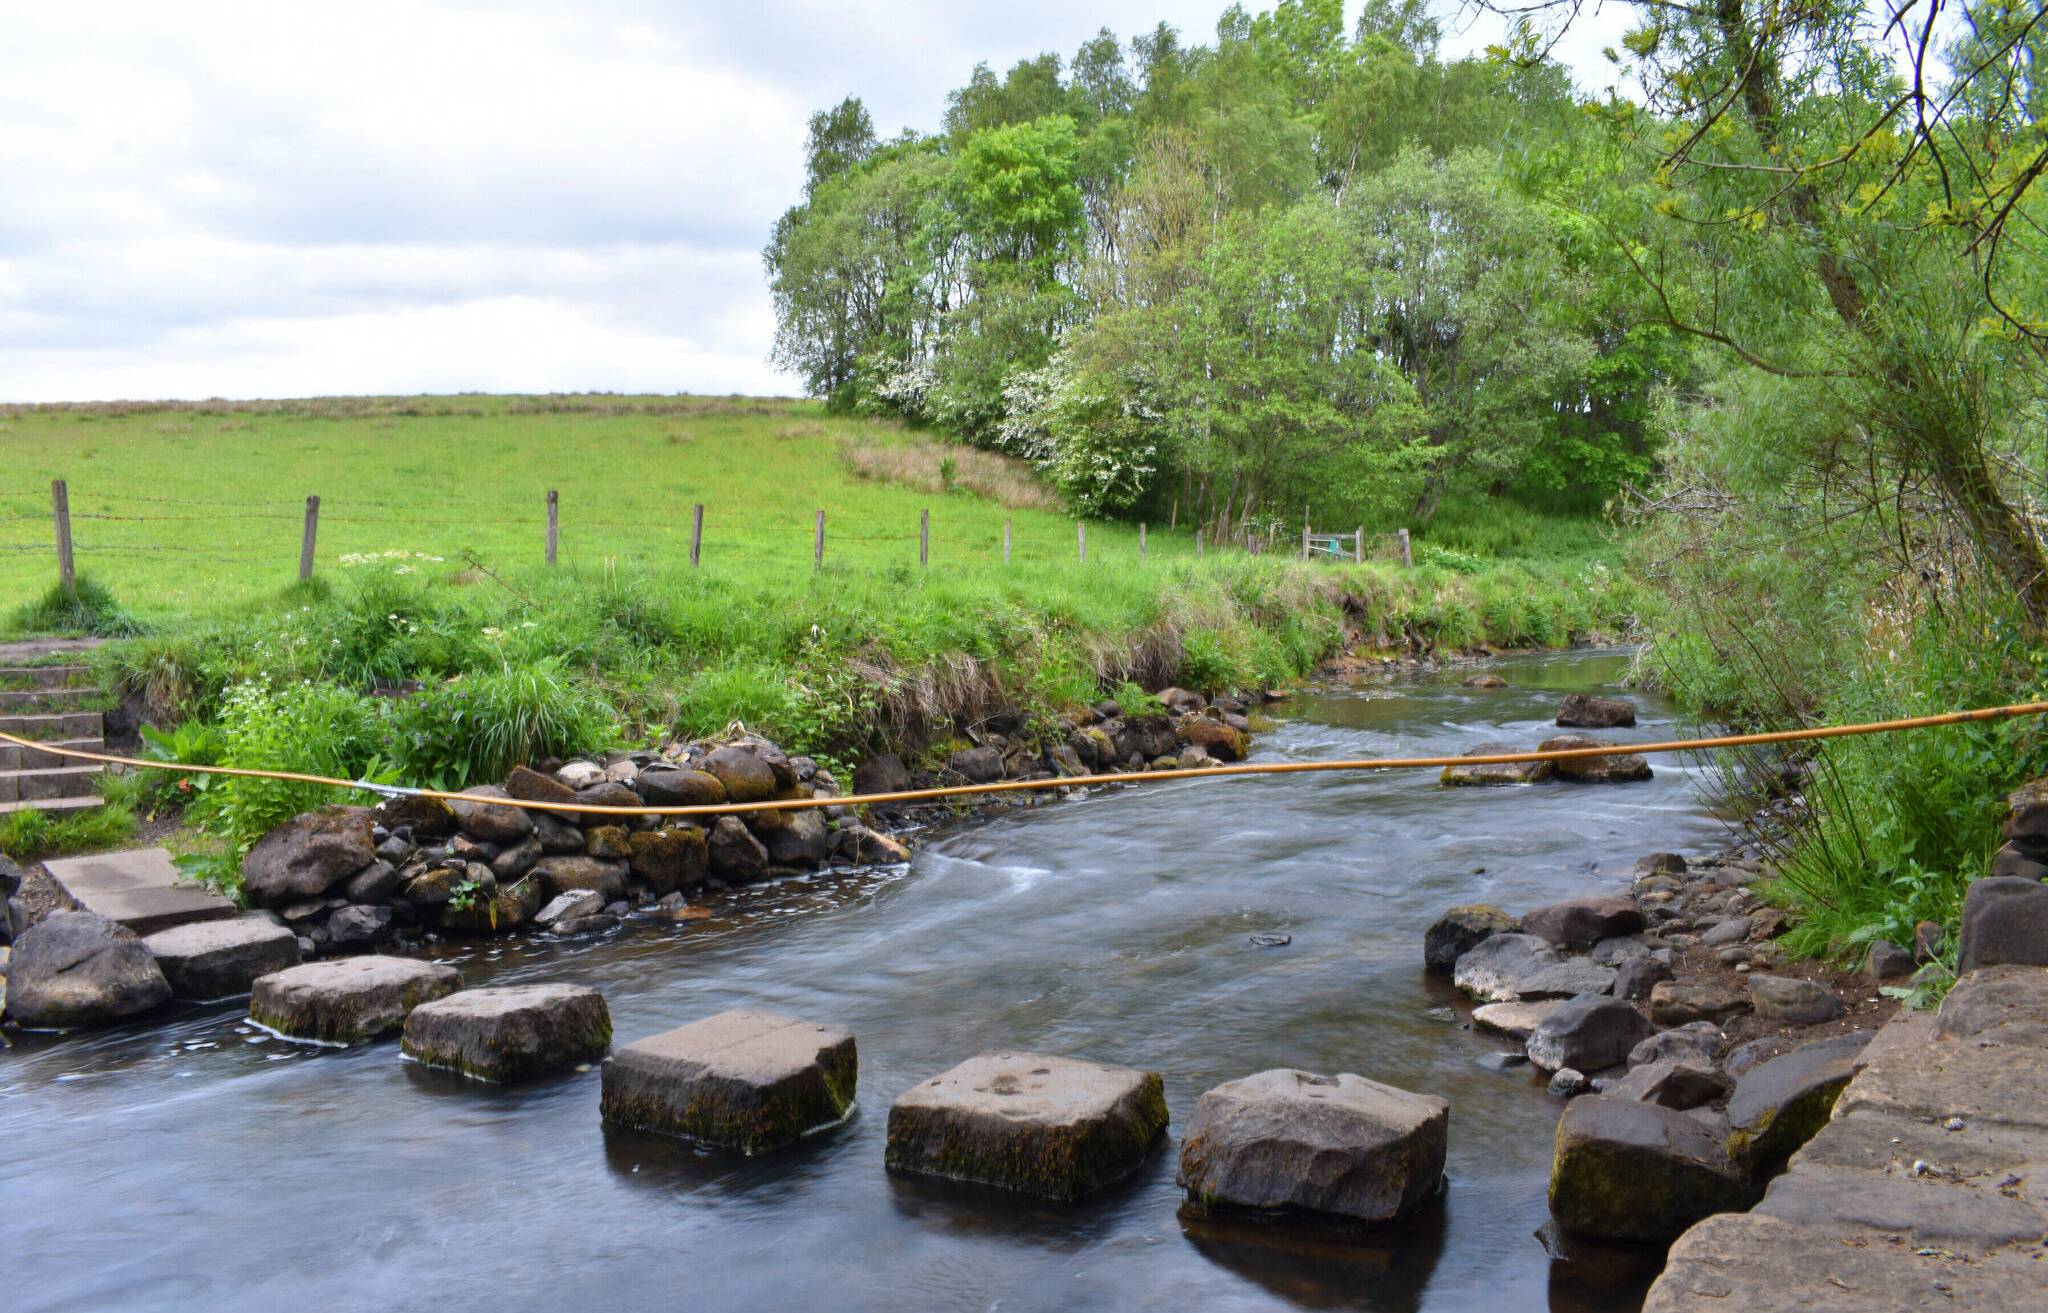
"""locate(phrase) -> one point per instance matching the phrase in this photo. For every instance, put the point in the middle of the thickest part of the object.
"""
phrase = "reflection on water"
(201, 1163)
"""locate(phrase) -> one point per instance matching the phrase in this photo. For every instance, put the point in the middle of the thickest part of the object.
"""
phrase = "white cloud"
(254, 199)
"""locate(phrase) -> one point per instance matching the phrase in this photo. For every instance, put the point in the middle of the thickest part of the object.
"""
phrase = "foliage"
(32, 834)
(88, 609)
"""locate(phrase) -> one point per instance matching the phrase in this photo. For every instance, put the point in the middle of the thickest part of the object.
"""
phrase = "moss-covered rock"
(350, 999)
(1781, 1104)
(1623, 1170)
(747, 1080)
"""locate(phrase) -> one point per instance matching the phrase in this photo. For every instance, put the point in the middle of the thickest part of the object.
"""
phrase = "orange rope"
(1120, 777)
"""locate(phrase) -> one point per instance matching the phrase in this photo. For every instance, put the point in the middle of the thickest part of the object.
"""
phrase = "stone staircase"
(46, 694)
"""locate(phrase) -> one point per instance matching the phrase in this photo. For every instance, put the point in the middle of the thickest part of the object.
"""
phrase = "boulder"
(1779, 1104)
(1638, 976)
(794, 838)
(1458, 931)
(557, 838)
(1587, 1033)
(480, 819)
(1886, 963)
(883, 773)
(1677, 1002)
(1614, 768)
(1660, 864)
(745, 776)
(981, 765)
(1503, 772)
(771, 756)
(1793, 1001)
(433, 888)
(734, 853)
(670, 859)
(2026, 821)
(81, 969)
(1515, 1019)
(1059, 1128)
(610, 843)
(1679, 1083)
(748, 1080)
(510, 1032)
(375, 883)
(2009, 1000)
(423, 818)
(1494, 968)
(579, 774)
(517, 860)
(1586, 711)
(1583, 922)
(2015, 862)
(575, 904)
(1565, 979)
(1624, 1170)
(308, 855)
(358, 926)
(1485, 681)
(1728, 930)
(1617, 949)
(604, 793)
(2005, 921)
(350, 999)
(1287, 1141)
(532, 786)
(560, 875)
(1215, 738)
(660, 786)
(220, 959)
(1182, 701)
(1696, 1041)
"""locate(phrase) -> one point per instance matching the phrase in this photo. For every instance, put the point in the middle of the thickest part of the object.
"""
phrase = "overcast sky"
(270, 200)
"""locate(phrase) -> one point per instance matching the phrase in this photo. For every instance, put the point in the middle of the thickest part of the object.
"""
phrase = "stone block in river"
(220, 959)
(1587, 711)
(1287, 1141)
(747, 1080)
(81, 969)
(510, 1032)
(1612, 768)
(1458, 931)
(1500, 772)
(1678, 1002)
(482, 819)
(1623, 1170)
(570, 874)
(308, 855)
(2005, 922)
(1493, 969)
(349, 999)
(1778, 1105)
(1583, 922)
(1060, 1128)
(1588, 1033)
(1793, 1001)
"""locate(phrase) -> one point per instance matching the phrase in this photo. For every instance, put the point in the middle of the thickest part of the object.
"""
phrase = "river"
(198, 1164)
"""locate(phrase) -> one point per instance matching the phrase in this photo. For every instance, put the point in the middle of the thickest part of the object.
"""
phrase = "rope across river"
(1117, 777)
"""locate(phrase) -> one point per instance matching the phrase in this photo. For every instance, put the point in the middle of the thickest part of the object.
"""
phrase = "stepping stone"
(1588, 711)
(1295, 1141)
(350, 999)
(1060, 1128)
(139, 889)
(1499, 772)
(1635, 1171)
(221, 959)
(747, 1080)
(510, 1032)
(1619, 767)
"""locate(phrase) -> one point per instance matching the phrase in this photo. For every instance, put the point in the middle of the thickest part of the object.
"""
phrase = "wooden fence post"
(554, 523)
(818, 544)
(1358, 547)
(1006, 542)
(60, 511)
(1198, 544)
(924, 539)
(1081, 538)
(1407, 559)
(696, 534)
(311, 535)
(1141, 542)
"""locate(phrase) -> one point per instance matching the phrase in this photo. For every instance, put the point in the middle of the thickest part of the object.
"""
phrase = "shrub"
(478, 727)
(86, 609)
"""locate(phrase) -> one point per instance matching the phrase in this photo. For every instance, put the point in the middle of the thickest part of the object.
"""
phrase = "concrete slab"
(139, 888)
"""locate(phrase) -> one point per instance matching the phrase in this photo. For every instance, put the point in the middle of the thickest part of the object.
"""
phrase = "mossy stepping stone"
(1060, 1128)
(747, 1080)
(349, 999)
(510, 1032)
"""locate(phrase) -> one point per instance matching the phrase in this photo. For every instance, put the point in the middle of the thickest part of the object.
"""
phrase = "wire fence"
(338, 531)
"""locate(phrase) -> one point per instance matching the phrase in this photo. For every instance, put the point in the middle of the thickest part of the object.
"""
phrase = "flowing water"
(197, 1164)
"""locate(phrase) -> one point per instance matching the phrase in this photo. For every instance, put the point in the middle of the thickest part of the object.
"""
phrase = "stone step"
(47, 783)
(45, 651)
(140, 888)
(52, 726)
(15, 757)
(45, 676)
(46, 699)
(53, 806)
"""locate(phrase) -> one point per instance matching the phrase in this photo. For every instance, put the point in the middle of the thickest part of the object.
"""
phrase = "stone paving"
(1928, 1187)
(139, 888)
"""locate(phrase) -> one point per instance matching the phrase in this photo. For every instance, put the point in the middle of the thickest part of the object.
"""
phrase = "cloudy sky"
(263, 200)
